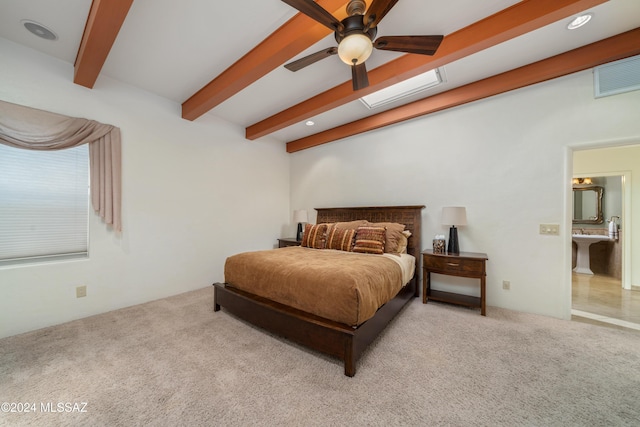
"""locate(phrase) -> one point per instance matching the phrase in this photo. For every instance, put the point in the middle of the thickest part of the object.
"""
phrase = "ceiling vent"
(617, 77)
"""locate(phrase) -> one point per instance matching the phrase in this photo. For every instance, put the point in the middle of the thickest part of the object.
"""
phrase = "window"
(44, 204)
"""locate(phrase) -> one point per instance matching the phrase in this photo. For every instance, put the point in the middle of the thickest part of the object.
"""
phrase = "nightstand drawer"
(454, 265)
(288, 241)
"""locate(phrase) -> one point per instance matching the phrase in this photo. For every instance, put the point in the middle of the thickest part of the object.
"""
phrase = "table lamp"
(454, 215)
(300, 216)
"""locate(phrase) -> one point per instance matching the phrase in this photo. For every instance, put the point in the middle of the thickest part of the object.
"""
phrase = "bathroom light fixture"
(310, 123)
(300, 216)
(455, 215)
(39, 30)
(579, 181)
(579, 21)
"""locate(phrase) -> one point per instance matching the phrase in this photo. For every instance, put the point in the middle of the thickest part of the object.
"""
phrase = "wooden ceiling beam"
(296, 35)
(519, 19)
(614, 48)
(103, 25)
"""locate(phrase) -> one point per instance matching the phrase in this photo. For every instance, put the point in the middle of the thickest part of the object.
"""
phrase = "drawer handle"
(453, 264)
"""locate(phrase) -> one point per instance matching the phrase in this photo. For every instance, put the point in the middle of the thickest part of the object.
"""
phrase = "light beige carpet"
(176, 362)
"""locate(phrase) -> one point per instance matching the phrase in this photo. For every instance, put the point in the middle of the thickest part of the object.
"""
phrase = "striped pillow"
(314, 236)
(341, 239)
(394, 234)
(370, 240)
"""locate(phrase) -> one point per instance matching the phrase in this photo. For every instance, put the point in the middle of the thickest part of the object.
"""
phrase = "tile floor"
(601, 299)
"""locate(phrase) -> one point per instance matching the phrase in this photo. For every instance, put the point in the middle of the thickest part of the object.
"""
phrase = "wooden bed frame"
(333, 338)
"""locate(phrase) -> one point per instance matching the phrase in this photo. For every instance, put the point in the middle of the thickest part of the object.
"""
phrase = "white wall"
(193, 193)
(612, 198)
(505, 158)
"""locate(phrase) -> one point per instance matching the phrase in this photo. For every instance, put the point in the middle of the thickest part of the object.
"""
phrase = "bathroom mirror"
(587, 204)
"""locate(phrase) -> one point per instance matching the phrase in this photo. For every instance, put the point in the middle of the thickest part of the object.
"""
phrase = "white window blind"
(44, 204)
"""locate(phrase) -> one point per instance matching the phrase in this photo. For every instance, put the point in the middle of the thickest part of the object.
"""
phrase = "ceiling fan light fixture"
(355, 49)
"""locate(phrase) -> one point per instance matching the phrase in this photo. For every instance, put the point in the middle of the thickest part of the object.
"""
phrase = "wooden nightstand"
(465, 264)
(288, 241)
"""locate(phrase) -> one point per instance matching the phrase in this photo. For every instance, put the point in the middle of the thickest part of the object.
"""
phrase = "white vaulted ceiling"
(174, 49)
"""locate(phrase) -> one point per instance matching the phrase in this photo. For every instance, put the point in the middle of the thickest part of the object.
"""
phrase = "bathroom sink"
(583, 241)
(590, 238)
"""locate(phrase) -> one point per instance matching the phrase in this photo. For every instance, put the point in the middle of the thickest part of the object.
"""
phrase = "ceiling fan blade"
(377, 11)
(314, 11)
(310, 59)
(359, 76)
(424, 45)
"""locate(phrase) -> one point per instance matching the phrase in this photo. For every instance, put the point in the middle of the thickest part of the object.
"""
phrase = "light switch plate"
(550, 229)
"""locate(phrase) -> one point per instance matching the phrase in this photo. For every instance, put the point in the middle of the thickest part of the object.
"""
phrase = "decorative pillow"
(370, 240)
(341, 239)
(330, 227)
(394, 231)
(351, 225)
(314, 236)
(403, 242)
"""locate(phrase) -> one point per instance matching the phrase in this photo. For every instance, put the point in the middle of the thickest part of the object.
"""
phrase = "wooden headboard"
(410, 216)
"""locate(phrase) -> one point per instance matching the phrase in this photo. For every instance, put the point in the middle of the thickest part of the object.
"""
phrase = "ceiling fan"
(355, 35)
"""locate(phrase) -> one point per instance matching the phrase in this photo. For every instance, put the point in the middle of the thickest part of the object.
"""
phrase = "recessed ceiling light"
(310, 123)
(580, 21)
(39, 30)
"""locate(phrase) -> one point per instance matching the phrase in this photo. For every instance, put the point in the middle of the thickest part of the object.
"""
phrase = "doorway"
(605, 297)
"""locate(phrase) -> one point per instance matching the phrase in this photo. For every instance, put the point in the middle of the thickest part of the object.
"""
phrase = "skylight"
(403, 89)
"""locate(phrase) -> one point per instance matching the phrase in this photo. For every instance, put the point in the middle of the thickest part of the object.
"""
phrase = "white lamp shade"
(355, 47)
(454, 215)
(300, 215)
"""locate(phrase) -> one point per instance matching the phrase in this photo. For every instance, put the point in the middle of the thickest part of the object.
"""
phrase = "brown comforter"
(343, 286)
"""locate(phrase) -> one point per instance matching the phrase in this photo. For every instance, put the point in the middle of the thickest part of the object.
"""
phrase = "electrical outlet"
(81, 291)
(506, 285)
(550, 229)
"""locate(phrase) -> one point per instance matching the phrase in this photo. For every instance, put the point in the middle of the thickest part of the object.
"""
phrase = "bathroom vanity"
(584, 241)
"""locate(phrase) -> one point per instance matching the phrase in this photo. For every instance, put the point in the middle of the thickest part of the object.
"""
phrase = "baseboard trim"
(605, 319)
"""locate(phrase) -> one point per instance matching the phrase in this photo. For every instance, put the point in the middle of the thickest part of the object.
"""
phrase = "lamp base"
(299, 233)
(453, 247)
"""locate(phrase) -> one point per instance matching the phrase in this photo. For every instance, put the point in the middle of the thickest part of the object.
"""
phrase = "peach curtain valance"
(33, 129)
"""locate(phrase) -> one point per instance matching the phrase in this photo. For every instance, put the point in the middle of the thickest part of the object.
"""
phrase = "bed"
(345, 339)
